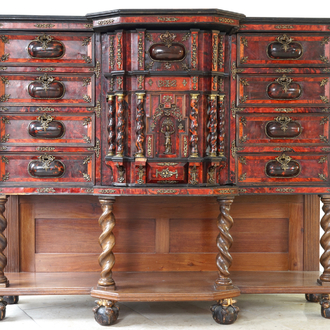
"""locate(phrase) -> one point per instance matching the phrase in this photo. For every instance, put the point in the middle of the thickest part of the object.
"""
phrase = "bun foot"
(325, 306)
(106, 312)
(11, 300)
(3, 305)
(311, 297)
(224, 312)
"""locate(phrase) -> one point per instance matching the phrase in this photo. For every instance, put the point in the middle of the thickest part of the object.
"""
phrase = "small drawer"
(283, 49)
(168, 51)
(45, 49)
(47, 89)
(18, 169)
(286, 168)
(170, 83)
(172, 51)
(167, 172)
(279, 90)
(60, 129)
(294, 129)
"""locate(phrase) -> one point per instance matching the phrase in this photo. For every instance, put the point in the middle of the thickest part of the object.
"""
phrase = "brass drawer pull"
(46, 167)
(284, 89)
(283, 127)
(282, 167)
(45, 127)
(45, 47)
(46, 87)
(284, 48)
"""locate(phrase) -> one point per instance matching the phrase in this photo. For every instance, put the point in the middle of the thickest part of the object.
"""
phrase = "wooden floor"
(163, 286)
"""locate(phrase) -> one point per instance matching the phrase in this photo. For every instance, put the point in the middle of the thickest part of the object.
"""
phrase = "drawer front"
(282, 168)
(283, 49)
(47, 89)
(60, 129)
(55, 49)
(273, 90)
(176, 51)
(167, 172)
(170, 83)
(63, 168)
(293, 129)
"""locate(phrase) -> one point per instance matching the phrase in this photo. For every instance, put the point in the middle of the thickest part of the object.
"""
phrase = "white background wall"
(250, 8)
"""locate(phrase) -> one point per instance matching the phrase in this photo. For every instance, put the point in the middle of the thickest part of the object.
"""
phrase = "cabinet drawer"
(274, 90)
(167, 172)
(47, 89)
(294, 129)
(283, 49)
(65, 168)
(60, 129)
(51, 48)
(179, 51)
(283, 168)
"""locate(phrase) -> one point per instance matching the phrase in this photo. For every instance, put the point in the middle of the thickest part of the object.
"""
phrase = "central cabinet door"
(167, 124)
(166, 107)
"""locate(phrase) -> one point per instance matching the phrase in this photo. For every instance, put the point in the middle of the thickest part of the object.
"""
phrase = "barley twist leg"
(224, 242)
(325, 239)
(107, 242)
(3, 241)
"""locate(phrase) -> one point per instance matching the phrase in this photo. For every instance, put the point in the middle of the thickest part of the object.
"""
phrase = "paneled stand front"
(176, 103)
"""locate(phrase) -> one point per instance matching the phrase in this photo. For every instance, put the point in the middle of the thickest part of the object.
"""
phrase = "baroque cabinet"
(179, 106)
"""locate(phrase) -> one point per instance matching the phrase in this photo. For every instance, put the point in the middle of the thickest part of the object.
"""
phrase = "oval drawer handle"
(161, 52)
(46, 167)
(282, 167)
(284, 48)
(45, 127)
(46, 87)
(284, 89)
(45, 47)
(283, 127)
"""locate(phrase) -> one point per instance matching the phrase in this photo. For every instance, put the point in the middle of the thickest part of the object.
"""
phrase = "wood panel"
(163, 234)
(311, 232)
(71, 262)
(27, 236)
(249, 235)
(56, 236)
(12, 234)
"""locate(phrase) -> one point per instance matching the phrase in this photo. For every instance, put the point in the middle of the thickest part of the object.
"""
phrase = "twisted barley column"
(111, 126)
(224, 241)
(139, 126)
(221, 127)
(212, 126)
(194, 125)
(325, 239)
(3, 241)
(107, 241)
(120, 125)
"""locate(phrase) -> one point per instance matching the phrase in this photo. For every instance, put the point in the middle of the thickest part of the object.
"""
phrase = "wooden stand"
(165, 286)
